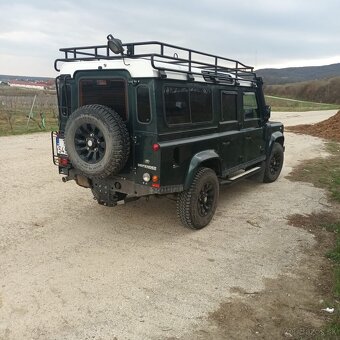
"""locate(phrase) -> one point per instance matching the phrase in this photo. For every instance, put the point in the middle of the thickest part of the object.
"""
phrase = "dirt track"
(71, 269)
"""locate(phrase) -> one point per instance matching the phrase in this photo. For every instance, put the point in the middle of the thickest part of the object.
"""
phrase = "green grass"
(334, 255)
(287, 104)
(322, 172)
(332, 331)
(19, 124)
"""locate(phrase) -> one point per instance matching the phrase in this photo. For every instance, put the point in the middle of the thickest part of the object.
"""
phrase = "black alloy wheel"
(273, 164)
(206, 199)
(90, 143)
(196, 206)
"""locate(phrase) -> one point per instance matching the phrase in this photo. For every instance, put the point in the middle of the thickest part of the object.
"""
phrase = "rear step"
(241, 175)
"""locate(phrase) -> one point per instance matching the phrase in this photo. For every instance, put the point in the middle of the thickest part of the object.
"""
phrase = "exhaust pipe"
(66, 179)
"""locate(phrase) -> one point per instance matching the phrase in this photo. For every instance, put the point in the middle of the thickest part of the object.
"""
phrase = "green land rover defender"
(149, 118)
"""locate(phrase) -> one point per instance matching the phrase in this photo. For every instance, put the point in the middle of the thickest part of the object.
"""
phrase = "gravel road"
(71, 269)
(295, 118)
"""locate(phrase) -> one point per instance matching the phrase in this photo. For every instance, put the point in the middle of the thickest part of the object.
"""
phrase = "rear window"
(108, 92)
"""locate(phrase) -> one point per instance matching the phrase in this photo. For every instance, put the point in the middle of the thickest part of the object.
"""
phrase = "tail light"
(63, 161)
(156, 147)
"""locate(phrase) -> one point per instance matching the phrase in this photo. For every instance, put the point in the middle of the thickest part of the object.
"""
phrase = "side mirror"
(267, 111)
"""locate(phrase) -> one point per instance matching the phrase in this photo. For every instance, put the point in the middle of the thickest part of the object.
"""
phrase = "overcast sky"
(261, 33)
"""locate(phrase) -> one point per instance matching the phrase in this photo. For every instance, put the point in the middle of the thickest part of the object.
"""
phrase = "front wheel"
(196, 206)
(273, 164)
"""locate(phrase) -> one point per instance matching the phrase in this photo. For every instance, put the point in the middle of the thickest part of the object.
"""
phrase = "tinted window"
(108, 92)
(250, 107)
(229, 106)
(65, 104)
(143, 104)
(177, 105)
(201, 105)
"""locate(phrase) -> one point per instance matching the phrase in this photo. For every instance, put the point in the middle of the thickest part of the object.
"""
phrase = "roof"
(162, 62)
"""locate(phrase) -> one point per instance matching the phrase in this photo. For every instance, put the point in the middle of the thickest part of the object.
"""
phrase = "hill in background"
(6, 78)
(321, 91)
(298, 74)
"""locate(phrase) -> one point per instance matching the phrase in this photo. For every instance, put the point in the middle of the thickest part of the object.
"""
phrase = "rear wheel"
(196, 206)
(274, 163)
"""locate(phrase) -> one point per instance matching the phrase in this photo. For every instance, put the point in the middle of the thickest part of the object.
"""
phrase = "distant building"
(3, 83)
(28, 84)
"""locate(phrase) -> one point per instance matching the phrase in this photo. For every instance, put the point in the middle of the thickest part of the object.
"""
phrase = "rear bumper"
(120, 184)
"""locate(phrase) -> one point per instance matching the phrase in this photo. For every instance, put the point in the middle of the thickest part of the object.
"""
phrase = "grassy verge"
(287, 104)
(332, 330)
(322, 172)
(19, 124)
(325, 173)
(16, 105)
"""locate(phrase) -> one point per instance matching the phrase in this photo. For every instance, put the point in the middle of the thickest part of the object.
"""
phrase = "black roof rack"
(165, 57)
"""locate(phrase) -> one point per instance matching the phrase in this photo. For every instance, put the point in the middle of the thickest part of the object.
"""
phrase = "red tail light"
(63, 161)
(156, 185)
(155, 147)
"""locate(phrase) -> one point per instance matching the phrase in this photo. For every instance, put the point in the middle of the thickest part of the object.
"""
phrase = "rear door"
(109, 88)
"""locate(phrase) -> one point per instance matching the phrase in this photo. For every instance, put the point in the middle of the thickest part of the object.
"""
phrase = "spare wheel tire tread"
(116, 139)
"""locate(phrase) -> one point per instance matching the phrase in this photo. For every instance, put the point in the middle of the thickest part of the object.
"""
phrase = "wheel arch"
(207, 158)
(276, 137)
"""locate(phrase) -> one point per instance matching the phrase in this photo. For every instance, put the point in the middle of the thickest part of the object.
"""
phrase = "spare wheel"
(97, 141)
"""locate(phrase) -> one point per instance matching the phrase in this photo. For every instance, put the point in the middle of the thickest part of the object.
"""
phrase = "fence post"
(31, 112)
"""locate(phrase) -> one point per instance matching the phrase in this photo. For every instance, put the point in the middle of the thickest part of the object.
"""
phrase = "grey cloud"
(262, 32)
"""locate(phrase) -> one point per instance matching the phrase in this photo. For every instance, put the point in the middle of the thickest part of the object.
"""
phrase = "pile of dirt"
(329, 128)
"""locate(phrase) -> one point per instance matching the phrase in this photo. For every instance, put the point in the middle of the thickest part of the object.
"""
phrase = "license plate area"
(60, 146)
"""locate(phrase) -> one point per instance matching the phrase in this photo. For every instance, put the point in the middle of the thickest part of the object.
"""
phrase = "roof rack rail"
(166, 57)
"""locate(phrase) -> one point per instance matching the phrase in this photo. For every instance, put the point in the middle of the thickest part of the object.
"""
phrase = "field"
(287, 104)
(15, 106)
(321, 91)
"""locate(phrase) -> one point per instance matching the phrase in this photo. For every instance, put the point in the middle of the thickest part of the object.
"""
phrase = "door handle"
(248, 138)
(226, 143)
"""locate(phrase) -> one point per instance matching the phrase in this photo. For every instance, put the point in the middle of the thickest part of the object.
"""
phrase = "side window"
(65, 104)
(250, 107)
(176, 105)
(201, 105)
(143, 104)
(229, 106)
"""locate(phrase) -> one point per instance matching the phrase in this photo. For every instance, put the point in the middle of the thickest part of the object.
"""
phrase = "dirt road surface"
(71, 269)
(296, 118)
